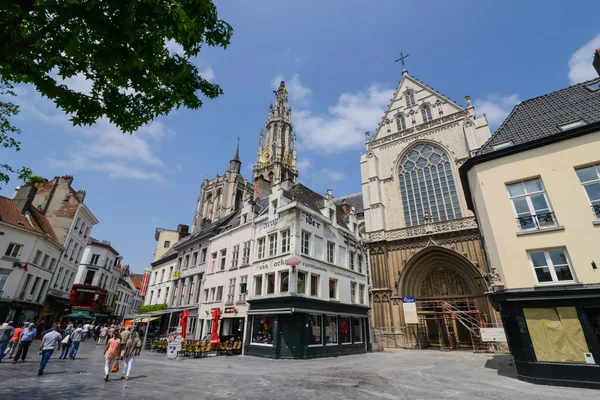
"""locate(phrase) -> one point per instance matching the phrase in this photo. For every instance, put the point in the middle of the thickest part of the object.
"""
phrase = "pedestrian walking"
(76, 338)
(6, 334)
(103, 335)
(50, 342)
(97, 330)
(86, 331)
(130, 353)
(65, 345)
(69, 328)
(25, 340)
(125, 336)
(14, 342)
(111, 352)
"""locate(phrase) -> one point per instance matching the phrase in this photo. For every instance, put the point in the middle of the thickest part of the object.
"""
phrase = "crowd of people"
(120, 343)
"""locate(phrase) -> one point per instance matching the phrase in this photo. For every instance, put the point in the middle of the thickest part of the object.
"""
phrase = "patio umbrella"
(79, 315)
(214, 337)
(183, 322)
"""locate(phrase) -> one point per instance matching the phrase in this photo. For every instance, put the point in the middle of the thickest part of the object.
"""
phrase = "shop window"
(357, 332)
(258, 285)
(301, 289)
(331, 329)
(270, 283)
(345, 330)
(333, 292)
(556, 334)
(262, 329)
(314, 285)
(315, 325)
(284, 282)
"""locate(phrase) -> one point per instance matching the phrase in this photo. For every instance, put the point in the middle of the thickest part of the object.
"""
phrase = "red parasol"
(214, 337)
(183, 321)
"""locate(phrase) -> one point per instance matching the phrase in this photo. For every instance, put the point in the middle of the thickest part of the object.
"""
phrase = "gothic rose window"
(427, 185)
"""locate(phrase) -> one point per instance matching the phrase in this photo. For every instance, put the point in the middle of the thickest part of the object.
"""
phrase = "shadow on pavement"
(503, 363)
(131, 378)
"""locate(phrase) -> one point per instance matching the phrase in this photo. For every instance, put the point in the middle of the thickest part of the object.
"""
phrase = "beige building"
(166, 238)
(535, 188)
(423, 241)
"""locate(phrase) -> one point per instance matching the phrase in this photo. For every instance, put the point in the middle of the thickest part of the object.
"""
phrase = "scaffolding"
(453, 320)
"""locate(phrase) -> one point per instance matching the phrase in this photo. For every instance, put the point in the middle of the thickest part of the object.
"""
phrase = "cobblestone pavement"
(392, 374)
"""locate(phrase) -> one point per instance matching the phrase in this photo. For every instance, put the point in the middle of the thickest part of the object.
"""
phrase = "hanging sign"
(229, 310)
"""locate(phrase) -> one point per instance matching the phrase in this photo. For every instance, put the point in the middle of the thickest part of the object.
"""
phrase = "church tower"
(276, 156)
(222, 195)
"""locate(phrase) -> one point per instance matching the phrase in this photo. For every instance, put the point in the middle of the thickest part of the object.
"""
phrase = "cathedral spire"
(276, 156)
(235, 165)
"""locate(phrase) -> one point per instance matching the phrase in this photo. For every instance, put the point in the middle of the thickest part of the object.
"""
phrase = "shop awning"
(145, 320)
(83, 315)
(271, 311)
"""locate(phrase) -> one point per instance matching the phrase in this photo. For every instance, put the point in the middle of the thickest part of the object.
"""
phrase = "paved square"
(394, 374)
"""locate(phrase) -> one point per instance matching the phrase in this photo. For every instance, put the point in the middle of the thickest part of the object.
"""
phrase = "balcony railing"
(539, 221)
(596, 210)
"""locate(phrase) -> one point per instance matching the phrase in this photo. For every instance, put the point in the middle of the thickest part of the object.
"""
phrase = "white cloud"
(580, 64)
(298, 93)
(344, 125)
(174, 47)
(334, 175)
(303, 164)
(208, 74)
(101, 147)
(496, 107)
(78, 83)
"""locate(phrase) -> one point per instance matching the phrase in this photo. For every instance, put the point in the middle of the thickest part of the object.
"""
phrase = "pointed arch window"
(426, 113)
(409, 96)
(427, 185)
(400, 122)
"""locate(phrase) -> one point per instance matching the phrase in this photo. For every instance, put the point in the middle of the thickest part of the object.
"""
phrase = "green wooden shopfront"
(301, 327)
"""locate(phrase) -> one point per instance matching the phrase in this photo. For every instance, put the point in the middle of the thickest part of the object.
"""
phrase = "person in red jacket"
(14, 343)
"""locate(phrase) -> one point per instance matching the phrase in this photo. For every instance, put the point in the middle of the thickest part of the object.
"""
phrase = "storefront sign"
(309, 220)
(229, 310)
(409, 306)
(173, 349)
(269, 224)
(338, 273)
(313, 266)
(272, 264)
(492, 335)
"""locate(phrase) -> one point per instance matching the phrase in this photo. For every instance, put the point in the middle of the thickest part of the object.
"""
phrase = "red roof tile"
(136, 282)
(34, 221)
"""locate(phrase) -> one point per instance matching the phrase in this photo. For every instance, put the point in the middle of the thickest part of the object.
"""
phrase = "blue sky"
(337, 58)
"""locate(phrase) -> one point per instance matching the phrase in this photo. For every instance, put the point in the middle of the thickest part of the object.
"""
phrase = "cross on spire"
(401, 59)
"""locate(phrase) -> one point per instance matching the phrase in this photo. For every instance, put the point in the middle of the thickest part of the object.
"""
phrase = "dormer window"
(410, 99)
(274, 206)
(502, 145)
(426, 114)
(594, 87)
(400, 122)
(571, 125)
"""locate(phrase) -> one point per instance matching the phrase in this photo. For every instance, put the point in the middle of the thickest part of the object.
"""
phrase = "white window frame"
(353, 292)
(337, 289)
(594, 204)
(235, 256)
(231, 290)
(331, 252)
(351, 260)
(10, 250)
(532, 212)
(213, 261)
(260, 248)
(246, 253)
(285, 241)
(310, 289)
(258, 285)
(272, 244)
(550, 266)
(305, 243)
(361, 293)
(243, 293)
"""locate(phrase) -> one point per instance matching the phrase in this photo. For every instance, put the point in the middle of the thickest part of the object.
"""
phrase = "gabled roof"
(353, 200)
(398, 94)
(34, 221)
(541, 116)
(314, 201)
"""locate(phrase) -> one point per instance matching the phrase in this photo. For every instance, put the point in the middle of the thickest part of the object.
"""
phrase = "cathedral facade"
(424, 244)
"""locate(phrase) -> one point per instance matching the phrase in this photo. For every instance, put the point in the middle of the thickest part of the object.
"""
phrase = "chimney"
(346, 207)
(183, 230)
(596, 62)
(24, 197)
(81, 195)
